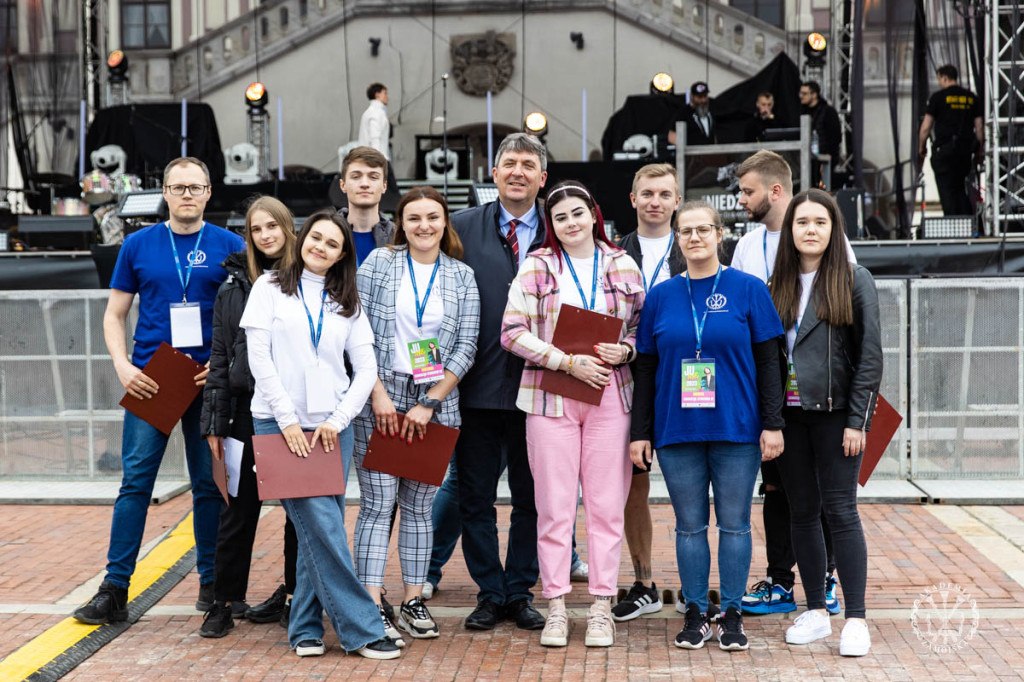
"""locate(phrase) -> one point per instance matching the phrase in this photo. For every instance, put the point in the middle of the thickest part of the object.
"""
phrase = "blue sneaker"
(832, 604)
(764, 597)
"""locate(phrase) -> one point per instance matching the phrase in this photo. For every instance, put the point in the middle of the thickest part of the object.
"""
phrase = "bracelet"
(629, 351)
(569, 368)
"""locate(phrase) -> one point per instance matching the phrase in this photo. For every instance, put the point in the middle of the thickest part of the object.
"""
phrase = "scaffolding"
(1004, 115)
(840, 72)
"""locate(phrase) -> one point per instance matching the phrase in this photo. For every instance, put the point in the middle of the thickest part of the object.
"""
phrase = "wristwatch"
(427, 401)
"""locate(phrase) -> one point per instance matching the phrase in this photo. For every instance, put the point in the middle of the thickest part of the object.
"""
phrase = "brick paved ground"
(45, 552)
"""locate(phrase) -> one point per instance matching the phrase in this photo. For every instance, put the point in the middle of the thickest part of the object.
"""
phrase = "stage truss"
(841, 65)
(1004, 115)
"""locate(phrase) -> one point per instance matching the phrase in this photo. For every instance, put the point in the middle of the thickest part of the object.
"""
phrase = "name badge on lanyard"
(186, 318)
(698, 379)
(792, 389)
(319, 392)
(424, 354)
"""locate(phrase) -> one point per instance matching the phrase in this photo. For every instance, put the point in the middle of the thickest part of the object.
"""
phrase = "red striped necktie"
(513, 240)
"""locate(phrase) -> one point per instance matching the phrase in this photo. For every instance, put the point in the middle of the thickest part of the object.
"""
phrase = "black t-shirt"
(954, 110)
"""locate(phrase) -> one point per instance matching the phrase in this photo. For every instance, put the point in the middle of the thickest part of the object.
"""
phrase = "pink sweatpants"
(589, 445)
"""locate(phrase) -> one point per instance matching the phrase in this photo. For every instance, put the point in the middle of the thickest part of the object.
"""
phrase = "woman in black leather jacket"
(829, 308)
(269, 240)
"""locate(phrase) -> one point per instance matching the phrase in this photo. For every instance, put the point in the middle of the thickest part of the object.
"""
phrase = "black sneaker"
(640, 600)
(382, 649)
(270, 610)
(310, 647)
(730, 631)
(696, 629)
(218, 621)
(389, 628)
(387, 607)
(206, 597)
(415, 619)
(286, 615)
(239, 609)
(109, 605)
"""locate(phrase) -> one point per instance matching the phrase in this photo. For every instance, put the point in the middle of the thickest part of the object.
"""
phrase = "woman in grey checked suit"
(414, 293)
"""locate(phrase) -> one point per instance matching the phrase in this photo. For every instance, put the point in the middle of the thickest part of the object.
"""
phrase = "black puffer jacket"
(229, 386)
(841, 367)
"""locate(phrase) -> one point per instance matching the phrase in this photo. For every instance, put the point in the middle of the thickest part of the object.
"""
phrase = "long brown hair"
(451, 245)
(340, 281)
(258, 262)
(832, 295)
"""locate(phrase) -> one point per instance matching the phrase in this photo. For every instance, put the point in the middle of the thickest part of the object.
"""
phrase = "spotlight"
(374, 47)
(242, 164)
(662, 83)
(117, 66)
(536, 123)
(256, 96)
(815, 48)
(577, 37)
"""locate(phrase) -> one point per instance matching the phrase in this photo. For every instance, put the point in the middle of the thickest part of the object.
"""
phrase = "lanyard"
(764, 244)
(657, 270)
(421, 308)
(698, 329)
(579, 287)
(184, 279)
(314, 335)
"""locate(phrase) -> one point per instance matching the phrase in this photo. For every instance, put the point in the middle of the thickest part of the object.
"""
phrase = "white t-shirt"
(570, 294)
(653, 250)
(806, 282)
(406, 329)
(755, 253)
(281, 348)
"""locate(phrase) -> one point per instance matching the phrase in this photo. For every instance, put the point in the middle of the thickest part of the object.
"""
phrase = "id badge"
(186, 325)
(698, 383)
(425, 360)
(319, 393)
(792, 390)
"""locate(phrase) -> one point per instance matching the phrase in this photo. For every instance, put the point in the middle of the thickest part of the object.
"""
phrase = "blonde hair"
(656, 170)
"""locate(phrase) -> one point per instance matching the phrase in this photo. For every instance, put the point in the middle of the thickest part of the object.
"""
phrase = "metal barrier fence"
(953, 352)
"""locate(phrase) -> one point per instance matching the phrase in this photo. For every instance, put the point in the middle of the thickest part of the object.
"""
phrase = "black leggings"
(817, 476)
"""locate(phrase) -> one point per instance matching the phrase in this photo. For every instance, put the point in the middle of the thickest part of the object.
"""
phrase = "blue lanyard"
(314, 334)
(657, 270)
(579, 287)
(421, 307)
(764, 244)
(698, 329)
(184, 279)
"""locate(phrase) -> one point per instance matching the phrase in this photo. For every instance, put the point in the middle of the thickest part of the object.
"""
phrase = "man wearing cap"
(700, 125)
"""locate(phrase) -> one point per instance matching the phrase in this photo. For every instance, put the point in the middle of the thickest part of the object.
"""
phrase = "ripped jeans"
(731, 469)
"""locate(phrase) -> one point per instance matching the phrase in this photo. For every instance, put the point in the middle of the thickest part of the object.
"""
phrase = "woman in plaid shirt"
(415, 294)
(570, 442)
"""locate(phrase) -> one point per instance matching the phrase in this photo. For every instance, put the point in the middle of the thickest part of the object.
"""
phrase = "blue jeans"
(325, 576)
(142, 450)
(731, 469)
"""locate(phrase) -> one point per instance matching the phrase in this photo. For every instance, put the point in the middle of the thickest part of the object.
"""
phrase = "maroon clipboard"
(424, 460)
(282, 475)
(577, 331)
(884, 425)
(220, 476)
(174, 372)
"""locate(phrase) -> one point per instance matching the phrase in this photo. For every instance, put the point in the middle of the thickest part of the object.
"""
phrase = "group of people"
(312, 337)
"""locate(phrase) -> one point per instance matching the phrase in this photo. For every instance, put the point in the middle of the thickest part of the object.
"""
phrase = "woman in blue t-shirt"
(708, 396)
(829, 308)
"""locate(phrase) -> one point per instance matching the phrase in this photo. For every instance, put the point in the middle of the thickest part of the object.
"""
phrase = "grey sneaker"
(414, 618)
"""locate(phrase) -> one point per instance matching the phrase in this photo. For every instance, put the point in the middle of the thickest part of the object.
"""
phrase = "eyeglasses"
(193, 190)
(703, 231)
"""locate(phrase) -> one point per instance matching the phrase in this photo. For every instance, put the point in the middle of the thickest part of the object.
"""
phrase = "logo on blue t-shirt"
(197, 257)
(716, 301)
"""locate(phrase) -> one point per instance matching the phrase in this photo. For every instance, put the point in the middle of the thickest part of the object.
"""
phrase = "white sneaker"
(809, 626)
(428, 591)
(580, 573)
(856, 639)
(557, 626)
(600, 628)
(310, 647)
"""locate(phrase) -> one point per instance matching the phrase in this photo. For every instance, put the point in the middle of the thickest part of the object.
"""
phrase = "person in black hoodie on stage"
(269, 240)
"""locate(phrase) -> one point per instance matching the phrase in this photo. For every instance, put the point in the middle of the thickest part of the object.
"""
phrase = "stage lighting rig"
(815, 50)
(110, 158)
(662, 84)
(241, 164)
(256, 98)
(536, 123)
(117, 66)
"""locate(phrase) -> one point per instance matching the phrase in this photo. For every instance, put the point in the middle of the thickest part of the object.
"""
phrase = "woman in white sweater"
(300, 322)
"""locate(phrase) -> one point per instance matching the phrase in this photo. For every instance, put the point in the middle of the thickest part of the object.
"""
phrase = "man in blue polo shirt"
(174, 268)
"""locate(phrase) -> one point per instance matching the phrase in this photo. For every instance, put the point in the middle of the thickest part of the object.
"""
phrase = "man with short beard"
(700, 125)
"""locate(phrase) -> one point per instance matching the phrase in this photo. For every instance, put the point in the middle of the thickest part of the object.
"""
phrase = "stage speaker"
(851, 206)
(70, 232)
(948, 227)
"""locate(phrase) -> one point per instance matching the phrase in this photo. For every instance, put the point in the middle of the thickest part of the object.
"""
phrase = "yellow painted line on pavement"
(69, 633)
